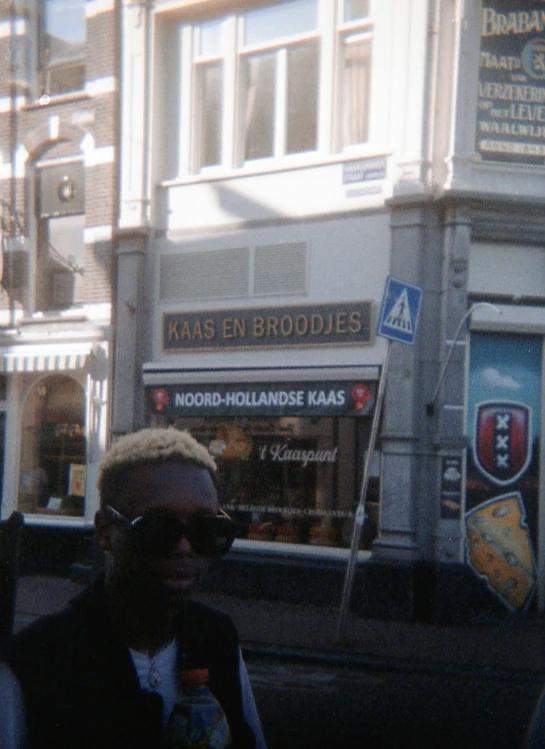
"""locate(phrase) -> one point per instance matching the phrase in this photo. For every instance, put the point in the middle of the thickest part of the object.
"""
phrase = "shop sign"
(319, 325)
(265, 399)
(283, 452)
(511, 97)
(295, 511)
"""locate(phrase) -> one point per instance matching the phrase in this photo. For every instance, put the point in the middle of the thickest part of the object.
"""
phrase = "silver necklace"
(157, 665)
(154, 675)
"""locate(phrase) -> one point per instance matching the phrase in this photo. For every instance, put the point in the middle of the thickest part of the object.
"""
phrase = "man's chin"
(179, 588)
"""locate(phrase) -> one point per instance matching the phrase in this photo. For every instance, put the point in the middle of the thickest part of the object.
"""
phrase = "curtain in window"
(211, 80)
(302, 114)
(259, 117)
(355, 90)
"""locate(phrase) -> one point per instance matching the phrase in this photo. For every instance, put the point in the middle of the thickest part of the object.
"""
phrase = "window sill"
(274, 166)
(47, 101)
(58, 520)
(44, 318)
(296, 551)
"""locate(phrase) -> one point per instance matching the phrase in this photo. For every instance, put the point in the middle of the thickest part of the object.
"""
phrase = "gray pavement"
(517, 643)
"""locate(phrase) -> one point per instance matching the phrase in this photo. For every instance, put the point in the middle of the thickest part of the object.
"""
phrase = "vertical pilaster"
(449, 410)
(130, 314)
(135, 116)
(407, 509)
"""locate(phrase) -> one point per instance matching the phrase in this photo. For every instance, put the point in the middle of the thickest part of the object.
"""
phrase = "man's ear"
(103, 531)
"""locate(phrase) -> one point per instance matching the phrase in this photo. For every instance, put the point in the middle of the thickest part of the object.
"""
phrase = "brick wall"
(74, 115)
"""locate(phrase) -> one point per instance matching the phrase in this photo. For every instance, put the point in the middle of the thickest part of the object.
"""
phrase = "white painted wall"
(492, 269)
(349, 260)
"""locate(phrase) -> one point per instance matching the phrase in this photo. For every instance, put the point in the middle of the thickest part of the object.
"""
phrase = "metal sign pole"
(360, 512)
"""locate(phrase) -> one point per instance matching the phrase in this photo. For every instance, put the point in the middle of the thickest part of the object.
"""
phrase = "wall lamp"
(430, 407)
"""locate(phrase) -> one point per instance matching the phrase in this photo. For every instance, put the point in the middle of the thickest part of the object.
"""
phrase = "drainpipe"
(13, 149)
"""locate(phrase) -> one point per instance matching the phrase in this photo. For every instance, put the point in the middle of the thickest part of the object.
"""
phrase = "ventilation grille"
(218, 274)
(281, 269)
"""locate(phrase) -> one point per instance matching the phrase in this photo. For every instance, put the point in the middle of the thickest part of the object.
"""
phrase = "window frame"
(330, 32)
(44, 69)
(362, 29)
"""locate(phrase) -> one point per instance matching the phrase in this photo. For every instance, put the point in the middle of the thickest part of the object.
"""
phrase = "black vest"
(80, 685)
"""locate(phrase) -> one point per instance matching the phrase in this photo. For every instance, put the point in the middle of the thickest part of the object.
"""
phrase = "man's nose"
(183, 548)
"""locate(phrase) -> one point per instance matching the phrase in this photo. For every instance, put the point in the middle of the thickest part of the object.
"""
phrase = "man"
(535, 734)
(105, 672)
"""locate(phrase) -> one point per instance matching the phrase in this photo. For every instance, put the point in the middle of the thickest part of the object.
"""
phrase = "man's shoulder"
(199, 611)
(44, 639)
(45, 636)
(209, 623)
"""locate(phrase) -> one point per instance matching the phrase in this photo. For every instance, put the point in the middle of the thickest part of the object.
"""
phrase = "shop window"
(290, 479)
(53, 448)
(61, 46)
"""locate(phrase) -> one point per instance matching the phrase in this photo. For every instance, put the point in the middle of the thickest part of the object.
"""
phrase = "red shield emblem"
(502, 440)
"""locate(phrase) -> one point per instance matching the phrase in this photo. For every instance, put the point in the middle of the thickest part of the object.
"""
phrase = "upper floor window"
(60, 204)
(61, 46)
(354, 44)
(275, 81)
(279, 59)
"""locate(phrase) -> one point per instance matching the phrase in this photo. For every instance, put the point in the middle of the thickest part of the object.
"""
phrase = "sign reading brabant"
(511, 103)
(324, 324)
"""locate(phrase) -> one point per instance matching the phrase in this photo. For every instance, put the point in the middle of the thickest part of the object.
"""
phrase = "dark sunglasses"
(156, 535)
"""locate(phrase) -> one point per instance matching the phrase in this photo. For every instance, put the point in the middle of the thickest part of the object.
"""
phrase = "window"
(290, 479)
(60, 233)
(53, 448)
(61, 46)
(208, 92)
(280, 78)
(355, 71)
(262, 84)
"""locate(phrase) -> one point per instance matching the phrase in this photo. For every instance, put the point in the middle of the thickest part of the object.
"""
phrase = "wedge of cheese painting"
(500, 548)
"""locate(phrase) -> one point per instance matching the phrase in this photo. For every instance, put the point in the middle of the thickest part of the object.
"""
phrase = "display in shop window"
(289, 479)
(53, 448)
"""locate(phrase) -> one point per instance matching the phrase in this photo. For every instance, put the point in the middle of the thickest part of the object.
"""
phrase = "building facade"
(278, 162)
(58, 194)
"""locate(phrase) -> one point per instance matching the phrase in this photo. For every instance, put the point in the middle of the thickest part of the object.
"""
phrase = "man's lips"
(179, 580)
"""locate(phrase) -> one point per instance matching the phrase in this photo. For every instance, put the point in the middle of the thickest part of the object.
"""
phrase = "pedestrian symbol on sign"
(399, 316)
(400, 310)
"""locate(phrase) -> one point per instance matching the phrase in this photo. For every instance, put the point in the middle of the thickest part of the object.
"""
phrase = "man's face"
(172, 489)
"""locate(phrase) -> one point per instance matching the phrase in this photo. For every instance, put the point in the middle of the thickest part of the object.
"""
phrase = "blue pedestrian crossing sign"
(400, 310)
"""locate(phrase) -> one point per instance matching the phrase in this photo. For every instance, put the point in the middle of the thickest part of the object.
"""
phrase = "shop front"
(290, 447)
(53, 434)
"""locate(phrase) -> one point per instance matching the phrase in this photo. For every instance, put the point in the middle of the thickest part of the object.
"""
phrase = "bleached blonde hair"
(151, 446)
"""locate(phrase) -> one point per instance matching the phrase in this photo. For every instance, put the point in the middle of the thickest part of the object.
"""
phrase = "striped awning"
(47, 360)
